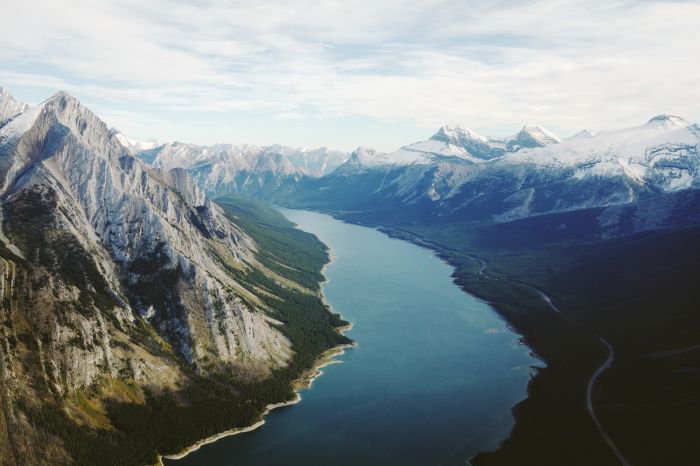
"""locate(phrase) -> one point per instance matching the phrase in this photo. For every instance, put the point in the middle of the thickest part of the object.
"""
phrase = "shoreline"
(442, 253)
(305, 381)
(537, 370)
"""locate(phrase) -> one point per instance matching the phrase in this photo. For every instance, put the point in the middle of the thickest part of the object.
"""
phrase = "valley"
(432, 378)
(152, 297)
(138, 317)
(570, 218)
(328, 233)
(636, 292)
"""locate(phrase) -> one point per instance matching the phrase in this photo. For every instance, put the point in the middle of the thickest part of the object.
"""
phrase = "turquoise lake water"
(431, 382)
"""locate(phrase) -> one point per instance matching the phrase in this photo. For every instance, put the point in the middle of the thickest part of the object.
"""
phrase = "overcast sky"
(379, 73)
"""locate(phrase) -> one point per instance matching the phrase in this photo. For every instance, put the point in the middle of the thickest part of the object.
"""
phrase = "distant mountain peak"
(486, 148)
(532, 136)
(666, 119)
(584, 134)
(456, 135)
(133, 144)
(363, 152)
(475, 145)
(359, 159)
(360, 156)
(541, 133)
(9, 105)
(61, 96)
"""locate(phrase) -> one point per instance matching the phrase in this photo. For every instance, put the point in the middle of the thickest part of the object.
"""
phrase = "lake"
(431, 382)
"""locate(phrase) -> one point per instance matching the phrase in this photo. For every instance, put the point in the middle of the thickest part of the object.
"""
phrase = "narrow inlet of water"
(431, 382)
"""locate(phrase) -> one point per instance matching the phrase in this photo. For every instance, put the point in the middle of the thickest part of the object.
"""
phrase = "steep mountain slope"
(114, 273)
(140, 219)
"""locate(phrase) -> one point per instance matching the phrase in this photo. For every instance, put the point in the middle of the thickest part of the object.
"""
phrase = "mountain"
(456, 143)
(458, 173)
(610, 168)
(116, 274)
(60, 160)
(138, 316)
(262, 171)
(587, 246)
(584, 133)
(133, 145)
(487, 148)
(225, 169)
(9, 106)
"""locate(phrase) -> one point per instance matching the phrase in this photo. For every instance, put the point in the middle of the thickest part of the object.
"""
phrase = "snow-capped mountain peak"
(133, 144)
(541, 133)
(531, 136)
(360, 157)
(364, 152)
(668, 120)
(457, 135)
(661, 154)
(583, 134)
(9, 106)
(462, 142)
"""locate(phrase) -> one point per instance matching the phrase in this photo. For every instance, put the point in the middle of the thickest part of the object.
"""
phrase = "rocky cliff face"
(110, 269)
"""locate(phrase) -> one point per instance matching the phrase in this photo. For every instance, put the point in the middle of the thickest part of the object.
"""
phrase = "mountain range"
(457, 173)
(446, 181)
(227, 169)
(111, 270)
(124, 282)
(605, 222)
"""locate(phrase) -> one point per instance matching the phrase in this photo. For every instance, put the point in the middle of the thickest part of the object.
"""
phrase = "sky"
(340, 74)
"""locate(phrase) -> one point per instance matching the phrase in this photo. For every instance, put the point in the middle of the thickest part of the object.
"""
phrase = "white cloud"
(569, 64)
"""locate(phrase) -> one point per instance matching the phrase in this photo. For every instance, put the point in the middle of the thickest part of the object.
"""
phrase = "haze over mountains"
(226, 168)
(457, 173)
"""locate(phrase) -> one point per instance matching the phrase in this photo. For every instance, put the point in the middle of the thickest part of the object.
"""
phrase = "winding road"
(596, 374)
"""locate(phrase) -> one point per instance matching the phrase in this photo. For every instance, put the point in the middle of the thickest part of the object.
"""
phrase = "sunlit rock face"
(118, 268)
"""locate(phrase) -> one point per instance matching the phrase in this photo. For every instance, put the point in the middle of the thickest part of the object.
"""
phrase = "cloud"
(569, 64)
